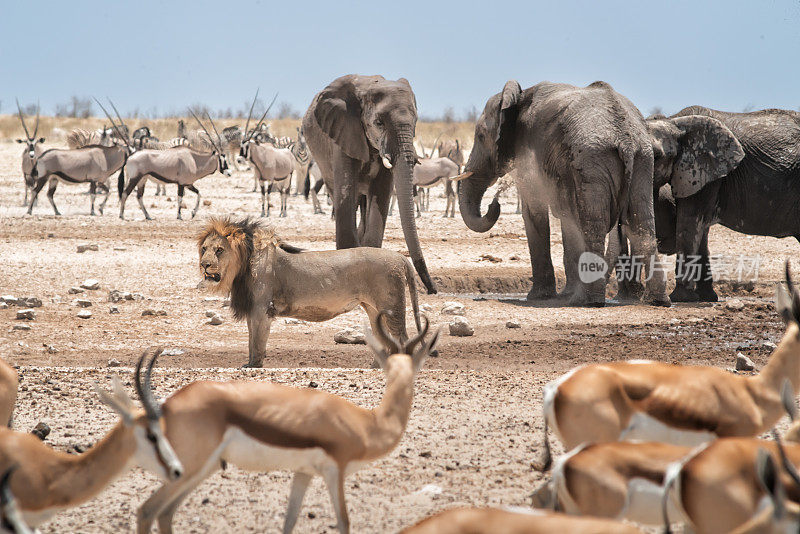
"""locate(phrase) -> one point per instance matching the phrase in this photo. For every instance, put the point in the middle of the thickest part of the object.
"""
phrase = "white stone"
(460, 327)
(84, 248)
(350, 336)
(90, 283)
(734, 305)
(85, 314)
(769, 345)
(83, 303)
(453, 308)
(743, 363)
(172, 351)
(216, 320)
(76, 290)
(27, 313)
(512, 323)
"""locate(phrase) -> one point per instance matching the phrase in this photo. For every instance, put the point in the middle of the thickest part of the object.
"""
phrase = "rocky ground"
(476, 424)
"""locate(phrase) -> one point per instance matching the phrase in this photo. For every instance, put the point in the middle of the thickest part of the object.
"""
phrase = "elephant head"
(691, 152)
(491, 156)
(373, 120)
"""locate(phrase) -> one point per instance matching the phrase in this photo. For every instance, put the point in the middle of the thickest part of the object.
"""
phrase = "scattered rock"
(743, 363)
(511, 323)
(491, 258)
(210, 313)
(84, 248)
(769, 345)
(453, 308)
(83, 303)
(113, 362)
(90, 284)
(427, 308)
(206, 203)
(514, 258)
(23, 327)
(3, 306)
(113, 309)
(350, 336)
(429, 489)
(76, 290)
(30, 302)
(215, 320)
(460, 327)
(41, 430)
(150, 312)
(115, 295)
(85, 314)
(734, 305)
(120, 249)
(313, 384)
(51, 349)
(172, 351)
(292, 320)
(226, 303)
(11, 300)
(28, 314)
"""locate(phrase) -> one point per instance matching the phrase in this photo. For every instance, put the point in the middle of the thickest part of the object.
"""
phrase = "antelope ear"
(709, 151)
(338, 113)
(768, 477)
(112, 402)
(377, 347)
(425, 350)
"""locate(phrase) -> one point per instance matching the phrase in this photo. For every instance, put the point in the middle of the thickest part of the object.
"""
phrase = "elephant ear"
(507, 119)
(708, 151)
(338, 113)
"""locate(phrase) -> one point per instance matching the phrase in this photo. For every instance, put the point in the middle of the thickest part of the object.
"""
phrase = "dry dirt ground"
(476, 423)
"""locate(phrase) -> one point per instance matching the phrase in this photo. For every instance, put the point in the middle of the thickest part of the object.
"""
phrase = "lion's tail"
(411, 280)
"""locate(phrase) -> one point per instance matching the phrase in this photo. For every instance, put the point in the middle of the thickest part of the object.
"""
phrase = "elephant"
(360, 130)
(749, 181)
(585, 154)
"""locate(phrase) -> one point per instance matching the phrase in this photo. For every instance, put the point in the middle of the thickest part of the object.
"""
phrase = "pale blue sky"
(144, 54)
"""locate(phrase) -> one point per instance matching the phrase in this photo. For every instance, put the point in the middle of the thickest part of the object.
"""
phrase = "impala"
(682, 405)
(48, 481)
(11, 521)
(262, 426)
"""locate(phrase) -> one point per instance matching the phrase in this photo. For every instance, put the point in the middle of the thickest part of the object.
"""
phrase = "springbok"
(262, 426)
(181, 165)
(11, 521)
(48, 481)
(9, 382)
(93, 164)
(626, 479)
(514, 521)
(682, 405)
(33, 149)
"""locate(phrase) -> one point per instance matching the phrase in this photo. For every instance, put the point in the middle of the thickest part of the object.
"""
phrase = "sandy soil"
(476, 423)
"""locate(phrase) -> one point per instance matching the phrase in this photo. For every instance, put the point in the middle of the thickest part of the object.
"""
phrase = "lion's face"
(216, 258)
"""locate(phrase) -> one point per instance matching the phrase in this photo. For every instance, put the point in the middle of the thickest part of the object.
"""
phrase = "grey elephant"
(746, 176)
(360, 130)
(585, 154)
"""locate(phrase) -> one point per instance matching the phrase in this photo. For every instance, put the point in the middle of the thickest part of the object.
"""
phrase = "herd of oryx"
(647, 443)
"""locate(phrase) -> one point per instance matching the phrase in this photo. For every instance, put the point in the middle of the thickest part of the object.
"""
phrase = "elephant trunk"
(470, 194)
(403, 174)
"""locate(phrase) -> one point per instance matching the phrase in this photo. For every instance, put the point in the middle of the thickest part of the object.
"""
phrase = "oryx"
(93, 164)
(33, 149)
(181, 165)
(270, 164)
(432, 171)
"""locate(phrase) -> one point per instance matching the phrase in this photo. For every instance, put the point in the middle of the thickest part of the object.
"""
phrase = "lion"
(267, 278)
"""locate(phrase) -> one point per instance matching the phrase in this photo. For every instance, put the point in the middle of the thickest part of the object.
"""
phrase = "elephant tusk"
(386, 162)
(463, 176)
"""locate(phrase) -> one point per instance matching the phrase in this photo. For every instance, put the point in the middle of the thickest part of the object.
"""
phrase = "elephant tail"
(307, 180)
(627, 154)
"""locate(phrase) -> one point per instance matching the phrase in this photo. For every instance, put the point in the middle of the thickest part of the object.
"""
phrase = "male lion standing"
(267, 278)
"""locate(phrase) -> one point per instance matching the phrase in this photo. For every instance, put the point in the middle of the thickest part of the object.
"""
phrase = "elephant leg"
(377, 209)
(689, 232)
(537, 229)
(642, 234)
(705, 285)
(573, 247)
(584, 252)
(345, 203)
(628, 286)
